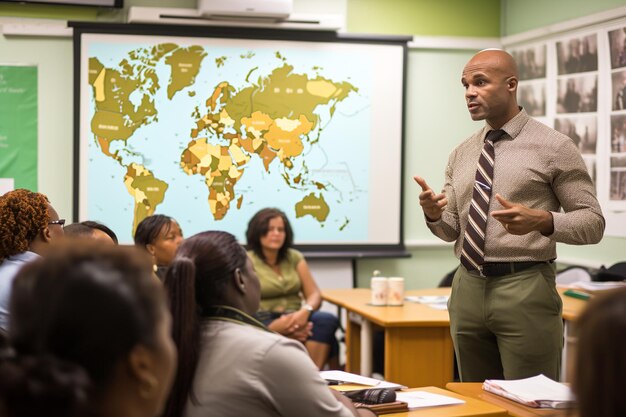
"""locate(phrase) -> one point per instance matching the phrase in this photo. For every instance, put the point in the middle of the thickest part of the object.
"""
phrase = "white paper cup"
(379, 291)
(395, 291)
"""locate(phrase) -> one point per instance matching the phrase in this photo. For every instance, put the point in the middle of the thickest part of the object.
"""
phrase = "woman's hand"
(283, 325)
(293, 325)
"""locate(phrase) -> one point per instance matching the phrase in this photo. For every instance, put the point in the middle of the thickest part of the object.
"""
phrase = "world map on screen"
(210, 135)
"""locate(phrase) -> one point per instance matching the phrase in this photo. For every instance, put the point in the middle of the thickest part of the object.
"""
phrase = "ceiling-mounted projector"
(246, 9)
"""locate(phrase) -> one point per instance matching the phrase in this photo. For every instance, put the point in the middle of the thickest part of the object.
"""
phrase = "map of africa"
(211, 134)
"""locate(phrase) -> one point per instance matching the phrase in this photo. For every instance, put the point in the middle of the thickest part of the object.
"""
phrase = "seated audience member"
(231, 365)
(28, 225)
(160, 235)
(90, 336)
(600, 368)
(290, 297)
(91, 230)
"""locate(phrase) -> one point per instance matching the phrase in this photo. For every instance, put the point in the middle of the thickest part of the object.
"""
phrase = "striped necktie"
(473, 251)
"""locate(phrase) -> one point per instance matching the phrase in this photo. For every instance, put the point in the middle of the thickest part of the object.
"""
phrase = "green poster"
(18, 127)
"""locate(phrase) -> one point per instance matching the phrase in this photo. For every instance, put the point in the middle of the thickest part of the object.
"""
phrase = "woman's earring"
(148, 387)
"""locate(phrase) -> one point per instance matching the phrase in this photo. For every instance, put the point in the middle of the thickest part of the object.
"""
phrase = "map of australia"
(248, 127)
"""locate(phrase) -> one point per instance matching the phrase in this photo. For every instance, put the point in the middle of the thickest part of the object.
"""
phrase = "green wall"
(436, 118)
(475, 18)
(521, 16)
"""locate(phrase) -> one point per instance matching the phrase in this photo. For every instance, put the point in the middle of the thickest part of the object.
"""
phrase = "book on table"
(538, 391)
(378, 396)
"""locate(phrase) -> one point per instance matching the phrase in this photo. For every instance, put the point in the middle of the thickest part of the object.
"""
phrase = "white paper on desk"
(537, 391)
(348, 378)
(597, 286)
(427, 299)
(342, 376)
(418, 399)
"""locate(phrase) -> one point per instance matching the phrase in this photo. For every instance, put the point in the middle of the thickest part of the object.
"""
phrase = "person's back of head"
(89, 330)
(24, 219)
(103, 228)
(78, 230)
(601, 362)
(91, 230)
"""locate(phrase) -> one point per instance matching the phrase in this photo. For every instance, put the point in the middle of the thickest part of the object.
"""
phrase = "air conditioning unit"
(247, 9)
(180, 16)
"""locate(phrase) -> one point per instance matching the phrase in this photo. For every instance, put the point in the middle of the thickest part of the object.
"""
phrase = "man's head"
(490, 80)
(27, 222)
(91, 230)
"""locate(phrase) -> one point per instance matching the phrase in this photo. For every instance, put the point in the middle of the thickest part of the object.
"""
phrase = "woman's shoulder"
(294, 256)
(232, 336)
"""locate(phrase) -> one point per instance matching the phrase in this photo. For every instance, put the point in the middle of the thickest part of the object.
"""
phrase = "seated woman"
(289, 296)
(600, 367)
(90, 336)
(231, 365)
(160, 235)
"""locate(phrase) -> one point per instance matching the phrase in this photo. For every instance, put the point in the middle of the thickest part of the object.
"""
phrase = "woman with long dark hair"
(290, 298)
(231, 365)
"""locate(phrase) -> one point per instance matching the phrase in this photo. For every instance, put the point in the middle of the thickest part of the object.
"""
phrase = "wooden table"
(474, 390)
(418, 346)
(472, 407)
(572, 308)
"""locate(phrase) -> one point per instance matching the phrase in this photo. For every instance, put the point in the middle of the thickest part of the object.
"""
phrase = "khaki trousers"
(508, 327)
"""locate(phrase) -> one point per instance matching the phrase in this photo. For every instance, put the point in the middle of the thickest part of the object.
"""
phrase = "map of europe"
(256, 128)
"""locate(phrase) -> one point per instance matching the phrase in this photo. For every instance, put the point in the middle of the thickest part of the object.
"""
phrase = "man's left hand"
(518, 219)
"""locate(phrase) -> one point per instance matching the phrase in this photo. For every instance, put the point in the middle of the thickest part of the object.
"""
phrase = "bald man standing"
(512, 191)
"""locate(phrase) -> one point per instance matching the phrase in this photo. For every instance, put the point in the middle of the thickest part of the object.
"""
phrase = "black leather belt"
(498, 269)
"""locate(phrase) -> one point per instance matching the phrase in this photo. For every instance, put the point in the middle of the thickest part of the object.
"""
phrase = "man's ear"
(141, 364)
(511, 83)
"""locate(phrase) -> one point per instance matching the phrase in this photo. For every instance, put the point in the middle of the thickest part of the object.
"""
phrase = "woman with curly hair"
(28, 224)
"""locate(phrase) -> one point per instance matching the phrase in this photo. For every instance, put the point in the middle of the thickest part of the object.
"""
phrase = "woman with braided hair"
(28, 224)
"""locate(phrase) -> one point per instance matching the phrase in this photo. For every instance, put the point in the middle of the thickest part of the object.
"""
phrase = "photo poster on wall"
(209, 126)
(18, 127)
(576, 83)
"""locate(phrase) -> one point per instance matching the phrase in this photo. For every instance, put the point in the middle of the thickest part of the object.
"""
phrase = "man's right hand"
(432, 204)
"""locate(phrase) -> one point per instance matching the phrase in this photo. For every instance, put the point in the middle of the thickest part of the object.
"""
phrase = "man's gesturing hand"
(520, 220)
(432, 204)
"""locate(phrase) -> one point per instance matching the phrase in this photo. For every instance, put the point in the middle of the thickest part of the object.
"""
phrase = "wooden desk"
(418, 346)
(572, 308)
(472, 407)
(474, 390)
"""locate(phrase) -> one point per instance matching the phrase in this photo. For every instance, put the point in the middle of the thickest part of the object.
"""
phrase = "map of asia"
(210, 134)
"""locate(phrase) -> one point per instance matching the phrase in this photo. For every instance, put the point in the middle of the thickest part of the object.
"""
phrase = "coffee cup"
(395, 291)
(379, 291)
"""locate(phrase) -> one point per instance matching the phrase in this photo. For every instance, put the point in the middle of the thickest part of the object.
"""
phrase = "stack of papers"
(345, 381)
(538, 391)
(438, 302)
